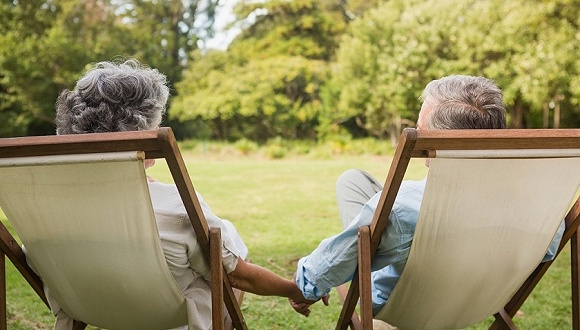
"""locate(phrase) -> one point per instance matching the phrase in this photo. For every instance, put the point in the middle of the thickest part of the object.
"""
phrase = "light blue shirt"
(333, 262)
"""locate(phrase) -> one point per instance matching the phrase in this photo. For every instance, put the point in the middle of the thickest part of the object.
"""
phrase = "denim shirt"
(334, 261)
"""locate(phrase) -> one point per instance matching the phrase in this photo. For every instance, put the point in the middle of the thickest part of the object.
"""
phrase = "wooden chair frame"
(159, 143)
(423, 144)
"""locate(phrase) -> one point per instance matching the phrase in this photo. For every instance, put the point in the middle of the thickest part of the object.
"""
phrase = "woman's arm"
(258, 280)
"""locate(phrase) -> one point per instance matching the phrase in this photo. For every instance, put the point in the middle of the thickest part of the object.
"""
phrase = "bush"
(276, 148)
(246, 146)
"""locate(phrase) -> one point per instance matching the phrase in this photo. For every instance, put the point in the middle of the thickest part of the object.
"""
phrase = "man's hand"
(303, 306)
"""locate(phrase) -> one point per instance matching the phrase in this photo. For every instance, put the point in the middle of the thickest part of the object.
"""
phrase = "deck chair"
(80, 205)
(493, 201)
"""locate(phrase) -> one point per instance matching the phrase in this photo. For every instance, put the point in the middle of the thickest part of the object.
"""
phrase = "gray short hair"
(112, 98)
(464, 102)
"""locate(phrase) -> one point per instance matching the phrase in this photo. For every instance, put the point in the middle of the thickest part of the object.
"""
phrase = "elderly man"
(453, 102)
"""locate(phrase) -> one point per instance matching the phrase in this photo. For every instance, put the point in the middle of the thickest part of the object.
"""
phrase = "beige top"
(182, 253)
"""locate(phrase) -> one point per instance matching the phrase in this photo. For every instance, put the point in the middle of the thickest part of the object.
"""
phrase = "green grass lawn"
(283, 208)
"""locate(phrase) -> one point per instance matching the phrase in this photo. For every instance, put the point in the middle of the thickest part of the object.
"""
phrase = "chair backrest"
(493, 202)
(486, 221)
(119, 182)
(89, 228)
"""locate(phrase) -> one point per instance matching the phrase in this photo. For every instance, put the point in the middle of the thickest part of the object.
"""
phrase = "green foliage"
(292, 71)
(246, 146)
(356, 8)
(268, 82)
(307, 28)
(42, 52)
(257, 99)
(390, 54)
(532, 53)
(382, 67)
(164, 33)
(46, 45)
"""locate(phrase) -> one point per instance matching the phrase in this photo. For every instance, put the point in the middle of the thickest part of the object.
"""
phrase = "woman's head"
(112, 98)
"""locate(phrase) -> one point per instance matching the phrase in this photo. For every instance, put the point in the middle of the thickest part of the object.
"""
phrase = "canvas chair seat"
(479, 216)
(81, 207)
(108, 229)
(487, 219)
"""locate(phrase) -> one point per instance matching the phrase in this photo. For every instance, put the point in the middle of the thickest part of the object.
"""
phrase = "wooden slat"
(217, 294)
(146, 141)
(79, 325)
(391, 188)
(364, 264)
(3, 310)
(575, 275)
(187, 192)
(505, 320)
(428, 140)
(239, 294)
(342, 291)
(12, 250)
(379, 223)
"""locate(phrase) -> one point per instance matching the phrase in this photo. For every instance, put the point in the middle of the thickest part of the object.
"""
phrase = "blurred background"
(314, 70)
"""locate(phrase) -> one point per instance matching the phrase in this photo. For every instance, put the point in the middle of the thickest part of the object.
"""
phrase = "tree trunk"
(517, 121)
(546, 118)
(557, 115)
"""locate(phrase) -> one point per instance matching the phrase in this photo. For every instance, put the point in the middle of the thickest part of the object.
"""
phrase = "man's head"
(462, 102)
(112, 98)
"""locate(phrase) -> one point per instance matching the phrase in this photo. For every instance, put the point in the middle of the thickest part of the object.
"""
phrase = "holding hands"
(302, 305)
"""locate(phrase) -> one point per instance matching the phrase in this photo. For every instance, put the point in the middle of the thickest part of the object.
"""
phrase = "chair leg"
(79, 325)
(361, 281)
(574, 256)
(570, 234)
(229, 325)
(3, 311)
(349, 304)
(217, 293)
(11, 249)
(504, 321)
(342, 291)
(364, 273)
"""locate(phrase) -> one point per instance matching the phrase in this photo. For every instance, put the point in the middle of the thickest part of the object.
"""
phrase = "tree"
(45, 45)
(535, 60)
(380, 70)
(254, 99)
(392, 52)
(43, 50)
(305, 28)
(268, 81)
(163, 34)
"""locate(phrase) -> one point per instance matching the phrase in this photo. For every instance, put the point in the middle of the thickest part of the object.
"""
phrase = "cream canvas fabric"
(90, 230)
(484, 225)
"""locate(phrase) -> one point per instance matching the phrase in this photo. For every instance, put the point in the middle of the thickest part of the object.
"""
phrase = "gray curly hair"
(112, 98)
(464, 102)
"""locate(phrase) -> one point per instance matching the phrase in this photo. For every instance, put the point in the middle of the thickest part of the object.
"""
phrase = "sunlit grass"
(283, 208)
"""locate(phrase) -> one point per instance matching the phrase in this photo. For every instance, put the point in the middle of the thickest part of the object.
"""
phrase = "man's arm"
(335, 259)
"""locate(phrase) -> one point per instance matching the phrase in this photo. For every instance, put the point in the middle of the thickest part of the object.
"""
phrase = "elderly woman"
(129, 97)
